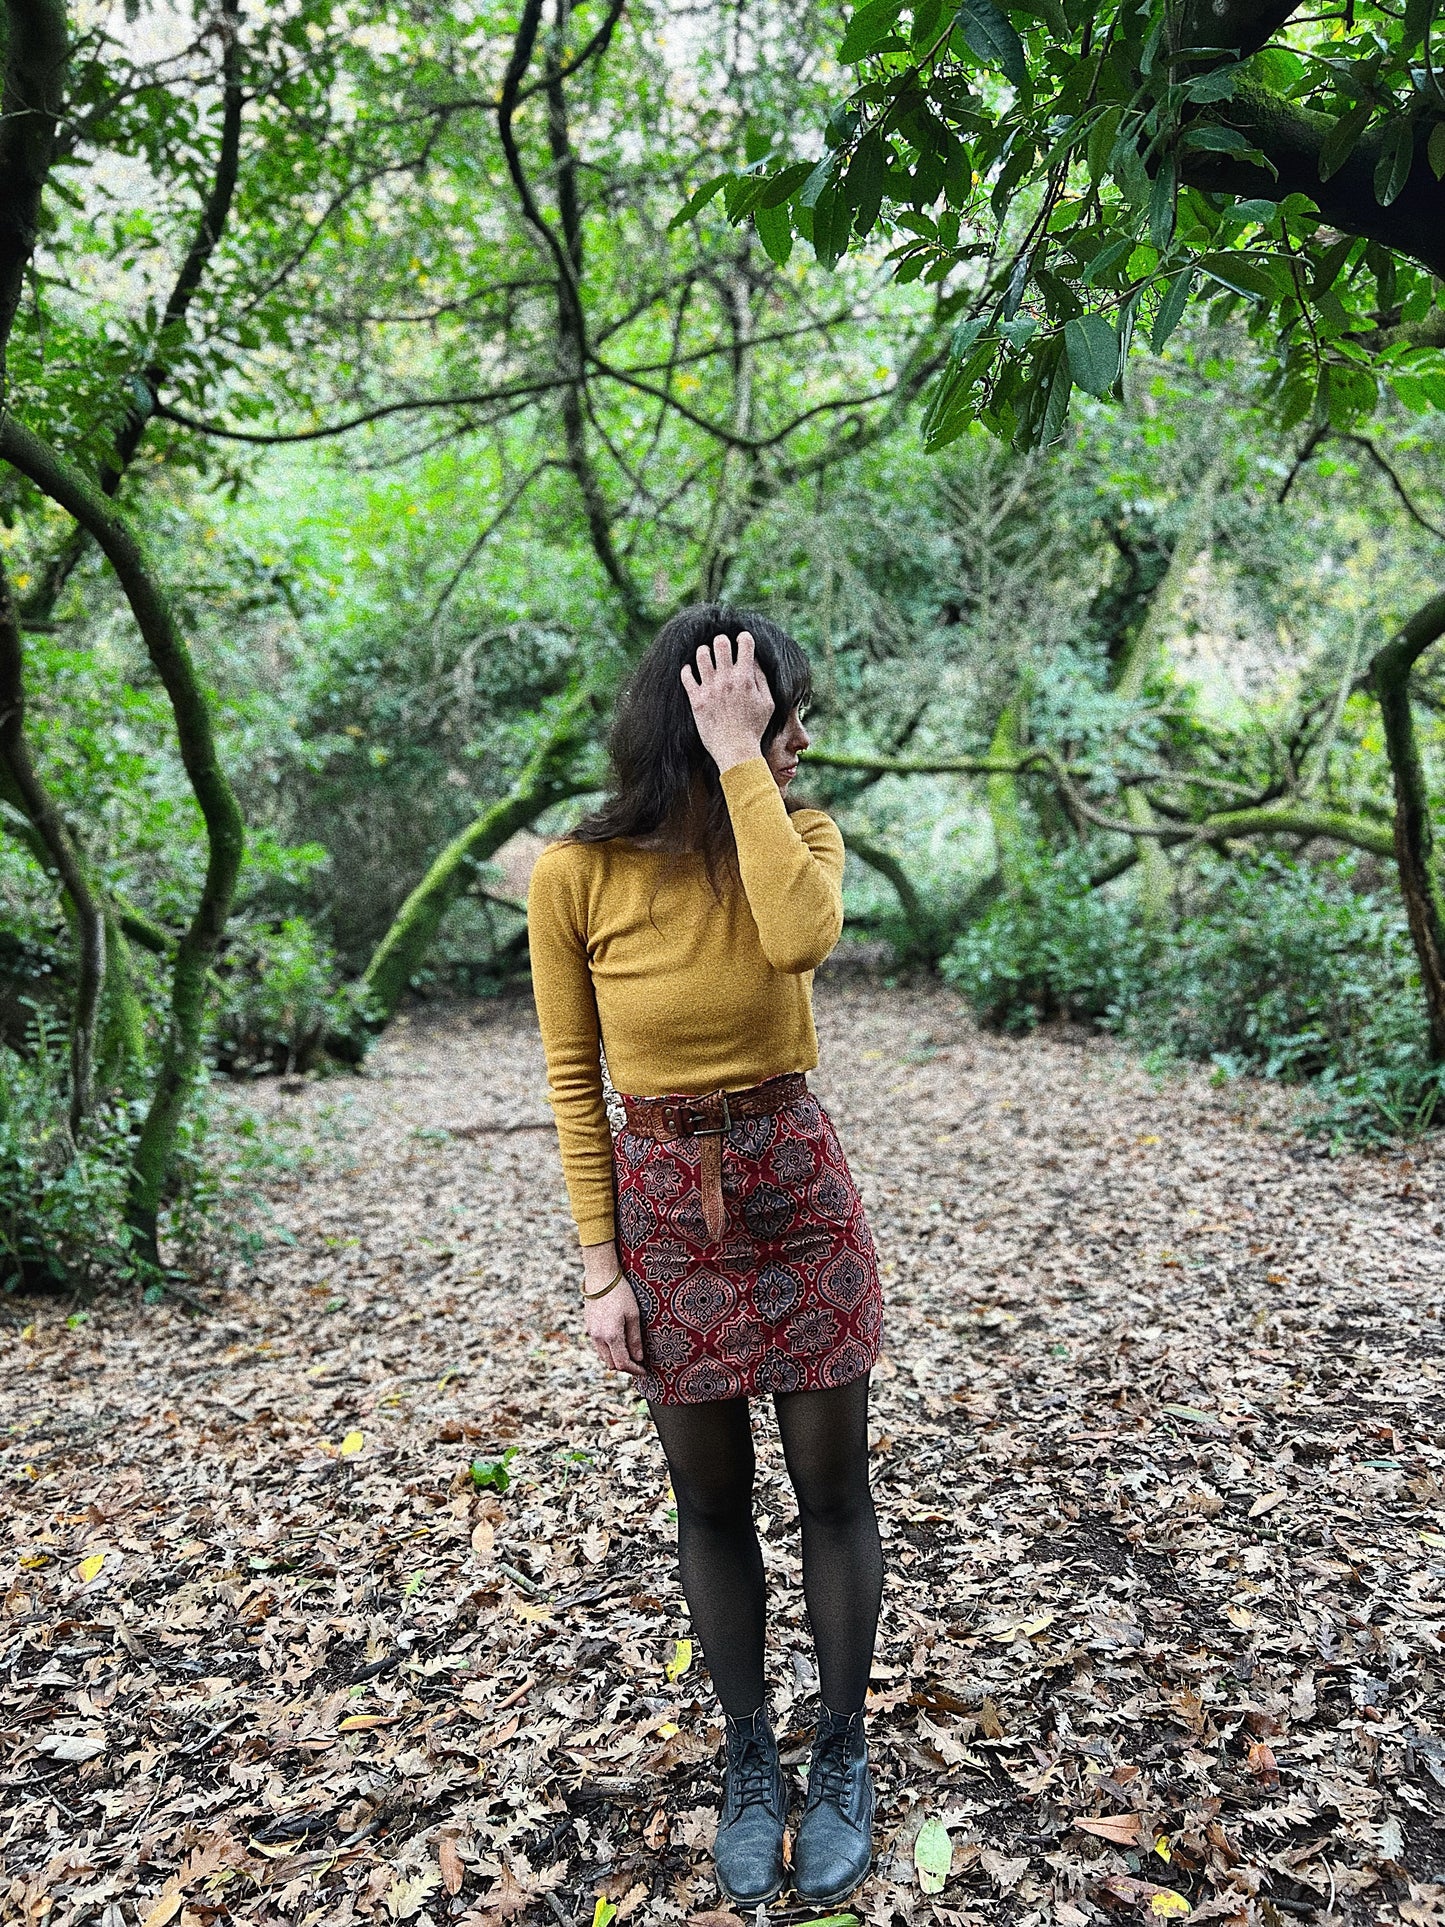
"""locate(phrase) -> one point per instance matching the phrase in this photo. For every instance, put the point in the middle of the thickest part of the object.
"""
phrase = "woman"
(725, 1251)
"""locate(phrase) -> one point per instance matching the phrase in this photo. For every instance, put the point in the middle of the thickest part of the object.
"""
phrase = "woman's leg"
(709, 1451)
(825, 1444)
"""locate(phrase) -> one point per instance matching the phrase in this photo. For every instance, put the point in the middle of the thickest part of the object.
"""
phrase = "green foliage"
(281, 996)
(1079, 177)
(1285, 970)
(1295, 973)
(34, 972)
(1055, 948)
(493, 1473)
(62, 1206)
(63, 1222)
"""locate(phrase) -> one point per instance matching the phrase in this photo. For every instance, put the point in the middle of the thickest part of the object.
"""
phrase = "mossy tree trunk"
(221, 817)
(1414, 832)
(1136, 662)
(549, 777)
(1002, 789)
(86, 913)
(403, 951)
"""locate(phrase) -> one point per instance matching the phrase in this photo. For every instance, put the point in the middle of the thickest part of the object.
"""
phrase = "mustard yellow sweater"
(632, 951)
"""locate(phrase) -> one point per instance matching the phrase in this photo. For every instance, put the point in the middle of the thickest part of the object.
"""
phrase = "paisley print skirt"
(787, 1299)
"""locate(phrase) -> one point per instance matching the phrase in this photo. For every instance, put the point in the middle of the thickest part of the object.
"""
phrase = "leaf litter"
(355, 1598)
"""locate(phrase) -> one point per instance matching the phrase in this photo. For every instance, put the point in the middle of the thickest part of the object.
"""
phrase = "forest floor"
(1159, 1450)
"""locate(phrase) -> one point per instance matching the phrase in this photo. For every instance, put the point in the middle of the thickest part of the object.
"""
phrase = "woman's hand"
(613, 1322)
(731, 702)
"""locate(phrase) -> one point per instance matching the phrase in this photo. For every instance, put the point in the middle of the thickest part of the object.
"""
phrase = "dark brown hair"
(664, 785)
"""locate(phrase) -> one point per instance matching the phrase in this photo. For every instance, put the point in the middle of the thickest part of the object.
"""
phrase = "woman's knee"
(720, 1499)
(839, 1496)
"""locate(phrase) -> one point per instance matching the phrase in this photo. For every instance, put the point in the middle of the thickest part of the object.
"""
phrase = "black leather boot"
(748, 1851)
(833, 1849)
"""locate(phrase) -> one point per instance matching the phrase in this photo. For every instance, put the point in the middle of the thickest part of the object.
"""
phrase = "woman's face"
(785, 749)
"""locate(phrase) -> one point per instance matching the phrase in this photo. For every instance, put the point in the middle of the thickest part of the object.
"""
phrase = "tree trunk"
(1009, 842)
(1414, 833)
(87, 915)
(1137, 662)
(571, 337)
(148, 382)
(926, 941)
(404, 949)
(34, 49)
(225, 832)
(547, 779)
(120, 1035)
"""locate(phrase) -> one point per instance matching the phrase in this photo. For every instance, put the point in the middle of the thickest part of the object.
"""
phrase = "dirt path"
(1159, 1433)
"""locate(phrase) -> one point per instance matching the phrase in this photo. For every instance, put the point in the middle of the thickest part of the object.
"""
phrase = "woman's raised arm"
(792, 875)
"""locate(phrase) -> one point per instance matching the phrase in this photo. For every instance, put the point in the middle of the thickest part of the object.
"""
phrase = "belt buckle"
(708, 1130)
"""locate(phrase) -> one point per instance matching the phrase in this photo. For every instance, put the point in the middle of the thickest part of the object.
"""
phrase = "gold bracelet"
(606, 1288)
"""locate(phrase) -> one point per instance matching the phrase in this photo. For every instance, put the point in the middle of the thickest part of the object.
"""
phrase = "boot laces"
(830, 1766)
(752, 1770)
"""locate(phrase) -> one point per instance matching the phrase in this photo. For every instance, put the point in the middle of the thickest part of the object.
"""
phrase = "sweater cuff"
(596, 1231)
(746, 781)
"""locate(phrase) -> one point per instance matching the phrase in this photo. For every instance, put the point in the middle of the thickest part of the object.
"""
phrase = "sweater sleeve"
(571, 1040)
(791, 866)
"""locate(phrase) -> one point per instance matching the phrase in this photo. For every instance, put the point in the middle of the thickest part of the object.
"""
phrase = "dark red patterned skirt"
(787, 1299)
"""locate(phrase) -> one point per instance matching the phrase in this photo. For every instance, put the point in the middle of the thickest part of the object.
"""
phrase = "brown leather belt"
(709, 1117)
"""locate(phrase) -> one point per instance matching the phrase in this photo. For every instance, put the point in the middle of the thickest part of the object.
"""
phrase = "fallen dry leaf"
(75, 1747)
(506, 1897)
(1263, 1764)
(1124, 1829)
(449, 1860)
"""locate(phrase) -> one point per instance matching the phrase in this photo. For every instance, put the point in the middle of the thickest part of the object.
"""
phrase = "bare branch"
(204, 241)
(1415, 515)
(488, 530)
(566, 252)
(411, 405)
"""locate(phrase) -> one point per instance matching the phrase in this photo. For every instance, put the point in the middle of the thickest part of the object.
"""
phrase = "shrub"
(1285, 970)
(62, 1206)
(1292, 972)
(281, 996)
(62, 1202)
(1054, 949)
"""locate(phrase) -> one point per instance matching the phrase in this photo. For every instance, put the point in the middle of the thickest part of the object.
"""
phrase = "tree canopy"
(375, 387)
(1074, 177)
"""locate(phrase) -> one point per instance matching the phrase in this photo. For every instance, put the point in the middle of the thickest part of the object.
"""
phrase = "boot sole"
(839, 1893)
(750, 1900)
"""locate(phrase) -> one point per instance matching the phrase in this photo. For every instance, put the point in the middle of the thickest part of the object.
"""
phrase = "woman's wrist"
(599, 1263)
(730, 755)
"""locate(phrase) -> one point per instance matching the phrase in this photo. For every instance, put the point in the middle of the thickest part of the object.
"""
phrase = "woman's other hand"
(612, 1322)
(731, 702)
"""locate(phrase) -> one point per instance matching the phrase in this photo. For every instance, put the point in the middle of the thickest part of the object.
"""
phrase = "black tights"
(709, 1451)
